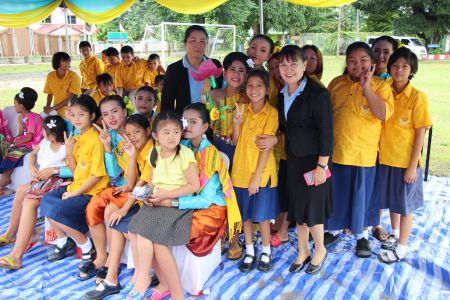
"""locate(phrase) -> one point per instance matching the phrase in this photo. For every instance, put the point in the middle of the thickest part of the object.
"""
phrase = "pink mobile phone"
(309, 176)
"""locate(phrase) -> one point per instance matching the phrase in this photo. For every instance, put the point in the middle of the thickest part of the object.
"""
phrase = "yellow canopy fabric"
(26, 18)
(321, 3)
(191, 6)
(99, 17)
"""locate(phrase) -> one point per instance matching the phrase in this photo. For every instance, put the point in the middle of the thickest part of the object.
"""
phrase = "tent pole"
(163, 51)
(67, 31)
(261, 17)
(339, 11)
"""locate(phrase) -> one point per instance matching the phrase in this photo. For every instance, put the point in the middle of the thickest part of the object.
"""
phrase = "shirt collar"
(264, 110)
(297, 91)
(144, 152)
(188, 66)
(406, 91)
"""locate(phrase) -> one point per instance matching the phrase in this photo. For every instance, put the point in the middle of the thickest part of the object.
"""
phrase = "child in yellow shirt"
(361, 102)
(61, 85)
(145, 103)
(399, 174)
(104, 88)
(130, 74)
(90, 66)
(113, 62)
(65, 207)
(260, 49)
(254, 173)
(154, 69)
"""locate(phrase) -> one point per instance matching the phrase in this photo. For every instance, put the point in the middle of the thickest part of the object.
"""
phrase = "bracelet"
(325, 167)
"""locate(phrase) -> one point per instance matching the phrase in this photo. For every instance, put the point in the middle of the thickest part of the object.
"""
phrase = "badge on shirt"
(404, 121)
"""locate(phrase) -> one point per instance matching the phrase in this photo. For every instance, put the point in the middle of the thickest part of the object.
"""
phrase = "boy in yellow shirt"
(61, 84)
(130, 74)
(154, 69)
(114, 62)
(90, 67)
(104, 88)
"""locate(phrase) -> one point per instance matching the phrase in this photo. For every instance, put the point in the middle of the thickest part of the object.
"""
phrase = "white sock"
(401, 250)
(396, 233)
(86, 247)
(60, 243)
(250, 251)
(365, 235)
(265, 249)
(333, 232)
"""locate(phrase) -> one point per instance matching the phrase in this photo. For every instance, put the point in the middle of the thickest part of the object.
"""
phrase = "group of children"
(99, 167)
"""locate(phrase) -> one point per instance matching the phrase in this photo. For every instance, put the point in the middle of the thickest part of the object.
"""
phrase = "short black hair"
(148, 89)
(27, 97)
(58, 57)
(55, 126)
(388, 39)
(409, 56)
(104, 78)
(260, 73)
(236, 56)
(153, 56)
(267, 39)
(104, 51)
(111, 51)
(84, 44)
(292, 53)
(139, 120)
(127, 49)
(159, 78)
(88, 104)
(193, 28)
(359, 45)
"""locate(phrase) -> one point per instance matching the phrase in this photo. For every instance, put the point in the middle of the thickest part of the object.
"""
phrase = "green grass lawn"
(433, 78)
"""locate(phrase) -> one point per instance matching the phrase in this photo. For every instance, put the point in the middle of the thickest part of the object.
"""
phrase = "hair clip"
(250, 63)
(52, 124)
(21, 96)
(184, 121)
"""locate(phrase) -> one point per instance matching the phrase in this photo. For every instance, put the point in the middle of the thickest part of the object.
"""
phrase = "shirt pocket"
(404, 119)
(365, 111)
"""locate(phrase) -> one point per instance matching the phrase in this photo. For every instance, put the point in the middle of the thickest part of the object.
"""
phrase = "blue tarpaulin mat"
(423, 274)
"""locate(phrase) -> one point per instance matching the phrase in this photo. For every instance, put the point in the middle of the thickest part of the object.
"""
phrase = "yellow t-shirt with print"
(398, 133)
(88, 152)
(89, 69)
(130, 77)
(356, 129)
(169, 172)
(246, 155)
(61, 88)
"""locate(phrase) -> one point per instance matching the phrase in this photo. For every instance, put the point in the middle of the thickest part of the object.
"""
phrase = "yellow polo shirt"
(98, 96)
(111, 70)
(356, 129)
(143, 164)
(89, 69)
(88, 153)
(398, 133)
(150, 75)
(130, 77)
(61, 88)
(246, 156)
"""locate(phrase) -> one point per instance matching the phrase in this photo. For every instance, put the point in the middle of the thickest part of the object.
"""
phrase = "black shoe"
(108, 290)
(295, 268)
(312, 269)
(155, 281)
(88, 257)
(329, 239)
(363, 249)
(264, 266)
(68, 247)
(247, 267)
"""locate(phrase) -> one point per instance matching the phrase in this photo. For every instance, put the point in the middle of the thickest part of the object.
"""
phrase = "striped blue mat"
(424, 274)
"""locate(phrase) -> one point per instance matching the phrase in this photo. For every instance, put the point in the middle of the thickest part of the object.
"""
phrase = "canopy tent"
(22, 13)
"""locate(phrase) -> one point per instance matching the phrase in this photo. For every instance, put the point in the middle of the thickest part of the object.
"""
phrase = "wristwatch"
(175, 203)
(325, 167)
(55, 171)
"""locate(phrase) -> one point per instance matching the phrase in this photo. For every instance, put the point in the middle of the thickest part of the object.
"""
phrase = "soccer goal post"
(166, 39)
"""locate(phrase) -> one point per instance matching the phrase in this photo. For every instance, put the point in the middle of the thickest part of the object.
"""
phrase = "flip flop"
(384, 257)
(10, 265)
(275, 240)
(5, 192)
(4, 241)
(234, 254)
(157, 295)
(378, 232)
(88, 268)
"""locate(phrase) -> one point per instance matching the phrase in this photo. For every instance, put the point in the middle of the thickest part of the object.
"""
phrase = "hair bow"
(250, 63)
(184, 122)
(21, 95)
(51, 124)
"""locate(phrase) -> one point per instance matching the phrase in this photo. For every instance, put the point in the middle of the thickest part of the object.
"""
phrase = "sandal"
(88, 268)
(234, 254)
(390, 243)
(134, 295)
(380, 234)
(101, 274)
(4, 241)
(9, 263)
(157, 295)
(127, 289)
(275, 240)
(388, 257)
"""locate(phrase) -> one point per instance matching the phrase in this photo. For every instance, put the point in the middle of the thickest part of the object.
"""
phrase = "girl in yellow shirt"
(361, 102)
(399, 175)
(260, 48)
(254, 173)
(65, 207)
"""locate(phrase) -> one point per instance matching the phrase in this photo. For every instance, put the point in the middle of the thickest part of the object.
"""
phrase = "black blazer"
(176, 87)
(309, 127)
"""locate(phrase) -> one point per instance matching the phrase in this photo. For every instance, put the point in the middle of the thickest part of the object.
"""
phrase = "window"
(405, 41)
(47, 20)
(71, 19)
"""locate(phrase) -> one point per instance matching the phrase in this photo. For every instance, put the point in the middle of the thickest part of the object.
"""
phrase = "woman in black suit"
(180, 89)
(306, 116)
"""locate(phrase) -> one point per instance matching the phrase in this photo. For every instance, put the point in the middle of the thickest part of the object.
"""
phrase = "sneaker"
(329, 239)
(363, 248)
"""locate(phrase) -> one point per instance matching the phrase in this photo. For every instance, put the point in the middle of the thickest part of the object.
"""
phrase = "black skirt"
(307, 204)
